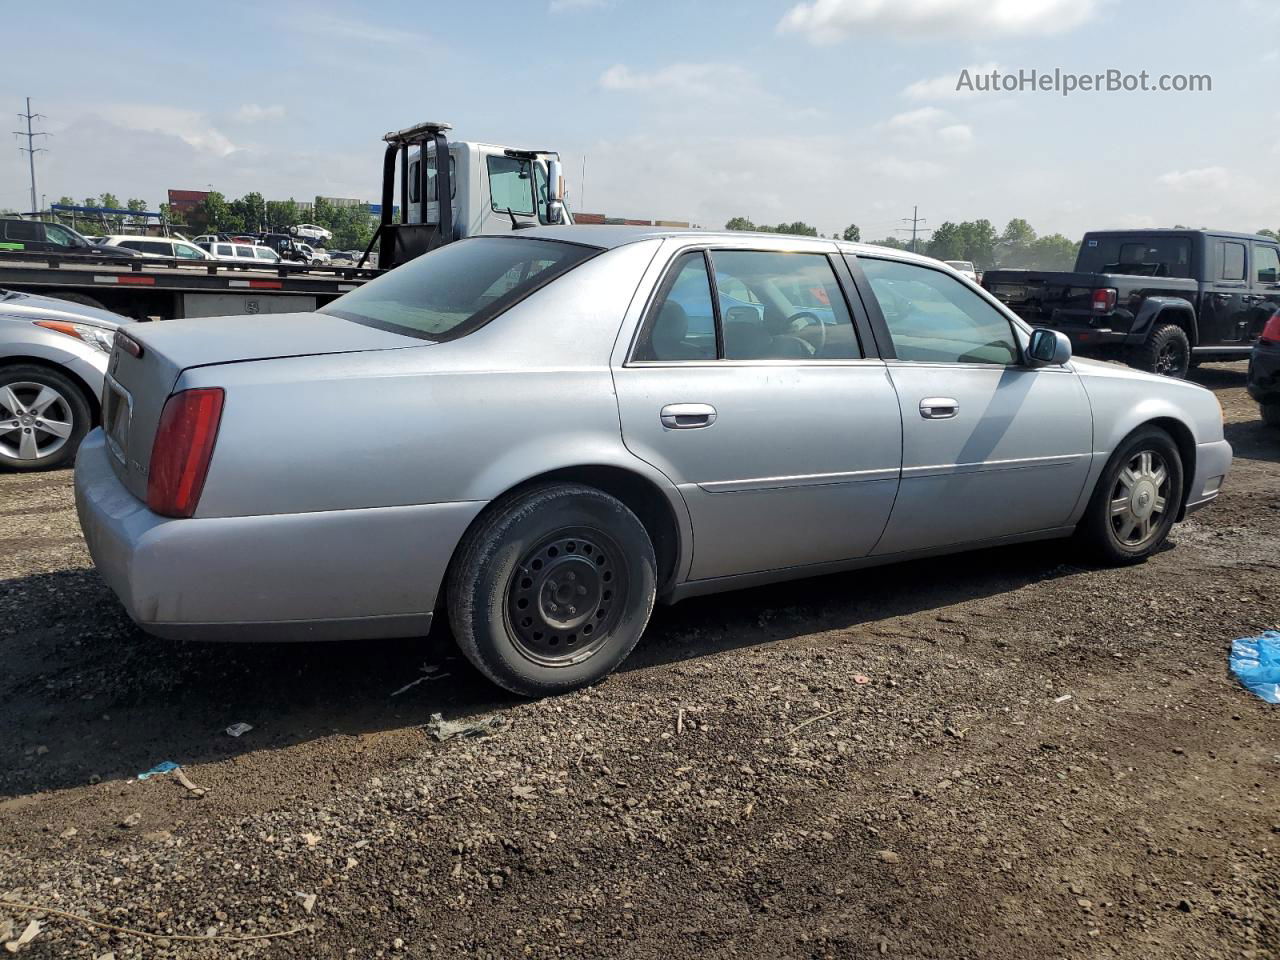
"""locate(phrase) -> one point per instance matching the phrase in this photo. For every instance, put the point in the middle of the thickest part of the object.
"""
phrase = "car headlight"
(97, 337)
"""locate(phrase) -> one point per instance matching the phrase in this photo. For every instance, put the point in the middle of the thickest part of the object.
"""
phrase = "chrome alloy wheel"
(1139, 498)
(35, 420)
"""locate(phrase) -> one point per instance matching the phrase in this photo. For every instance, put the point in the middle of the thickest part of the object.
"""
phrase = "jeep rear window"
(1136, 255)
(458, 288)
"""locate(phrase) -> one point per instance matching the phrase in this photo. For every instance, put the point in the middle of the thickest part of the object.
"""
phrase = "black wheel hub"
(1170, 359)
(565, 597)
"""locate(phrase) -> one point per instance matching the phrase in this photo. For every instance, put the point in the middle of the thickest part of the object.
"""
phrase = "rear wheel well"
(641, 495)
(1176, 317)
(20, 360)
(1186, 444)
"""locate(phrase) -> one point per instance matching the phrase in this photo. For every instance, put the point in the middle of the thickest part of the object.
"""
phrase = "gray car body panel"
(350, 461)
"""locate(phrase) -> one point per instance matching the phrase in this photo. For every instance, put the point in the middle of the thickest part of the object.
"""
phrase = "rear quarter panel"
(461, 421)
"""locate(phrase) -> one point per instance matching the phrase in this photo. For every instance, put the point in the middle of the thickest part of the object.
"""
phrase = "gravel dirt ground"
(1045, 760)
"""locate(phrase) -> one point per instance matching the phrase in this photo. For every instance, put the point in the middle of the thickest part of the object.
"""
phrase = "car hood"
(32, 306)
(213, 340)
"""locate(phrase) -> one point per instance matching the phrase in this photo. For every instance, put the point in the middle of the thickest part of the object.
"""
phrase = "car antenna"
(514, 224)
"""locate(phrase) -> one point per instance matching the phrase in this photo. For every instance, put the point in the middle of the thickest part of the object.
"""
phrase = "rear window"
(450, 292)
(1136, 255)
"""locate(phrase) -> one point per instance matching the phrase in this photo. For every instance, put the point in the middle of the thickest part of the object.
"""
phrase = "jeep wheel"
(1167, 351)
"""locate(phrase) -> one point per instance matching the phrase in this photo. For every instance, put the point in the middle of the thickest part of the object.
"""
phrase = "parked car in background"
(53, 357)
(159, 247)
(312, 254)
(1161, 300)
(601, 454)
(310, 231)
(241, 252)
(1264, 371)
(34, 236)
(964, 268)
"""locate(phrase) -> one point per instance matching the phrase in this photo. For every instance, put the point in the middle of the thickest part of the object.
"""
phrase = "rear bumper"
(1264, 373)
(1213, 463)
(341, 574)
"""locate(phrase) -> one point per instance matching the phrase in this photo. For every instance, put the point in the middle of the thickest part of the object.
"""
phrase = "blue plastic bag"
(165, 766)
(1256, 663)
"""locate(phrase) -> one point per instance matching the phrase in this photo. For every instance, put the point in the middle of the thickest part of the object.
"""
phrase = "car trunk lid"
(141, 378)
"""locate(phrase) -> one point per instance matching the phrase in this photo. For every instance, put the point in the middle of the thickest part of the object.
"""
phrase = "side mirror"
(1048, 348)
(555, 191)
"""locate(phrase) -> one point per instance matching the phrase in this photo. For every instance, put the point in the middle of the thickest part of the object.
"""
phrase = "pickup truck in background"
(1161, 300)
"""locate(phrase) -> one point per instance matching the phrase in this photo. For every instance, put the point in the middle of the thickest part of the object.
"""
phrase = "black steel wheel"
(552, 588)
(1167, 351)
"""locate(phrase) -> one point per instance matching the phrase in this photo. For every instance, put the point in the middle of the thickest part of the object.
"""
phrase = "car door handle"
(939, 408)
(688, 416)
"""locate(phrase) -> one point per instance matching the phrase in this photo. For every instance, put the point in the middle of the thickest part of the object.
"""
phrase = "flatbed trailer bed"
(163, 288)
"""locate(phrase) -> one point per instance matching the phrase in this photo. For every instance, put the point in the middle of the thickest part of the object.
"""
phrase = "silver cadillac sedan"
(538, 435)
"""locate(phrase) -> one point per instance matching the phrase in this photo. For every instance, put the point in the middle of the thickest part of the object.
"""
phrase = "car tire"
(26, 442)
(1105, 530)
(552, 589)
(80, 298)
(1270, 413)
(1167, 351)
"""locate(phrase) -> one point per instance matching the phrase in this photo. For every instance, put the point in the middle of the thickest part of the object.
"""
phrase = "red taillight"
(182, 449)
(1271, 332)
(1104, 299)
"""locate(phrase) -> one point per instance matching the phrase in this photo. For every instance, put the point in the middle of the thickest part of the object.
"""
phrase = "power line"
(915, 220)
(31, 149)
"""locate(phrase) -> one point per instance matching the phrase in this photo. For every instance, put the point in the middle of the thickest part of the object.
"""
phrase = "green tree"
(1053, 252)
(797, 228)
(893, 243)
(1018, 232)
(739, 223)
(851, 233)
(215, 214)
(282, 214)
(1273, 234)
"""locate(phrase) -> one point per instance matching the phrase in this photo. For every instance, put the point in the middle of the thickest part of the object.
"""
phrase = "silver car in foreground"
(539, 435)
(53, 355)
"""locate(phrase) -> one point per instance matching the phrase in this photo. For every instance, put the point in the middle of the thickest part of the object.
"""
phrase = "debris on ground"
(1062, 699)
(429, 671)
(1256, 663)
(164, 766)
(443, 729)
(238, 729)
(30, 933)
(186, 782)
(308, 900)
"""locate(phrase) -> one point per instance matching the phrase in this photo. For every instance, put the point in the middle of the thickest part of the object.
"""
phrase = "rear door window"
(23, 231)
(243, 251)
(1232, 261)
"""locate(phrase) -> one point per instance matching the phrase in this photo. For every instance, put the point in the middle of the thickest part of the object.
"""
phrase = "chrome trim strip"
(991, 466)
(800, 480)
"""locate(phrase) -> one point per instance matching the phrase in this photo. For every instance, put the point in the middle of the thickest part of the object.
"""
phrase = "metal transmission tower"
(31, 149)
(915, 220)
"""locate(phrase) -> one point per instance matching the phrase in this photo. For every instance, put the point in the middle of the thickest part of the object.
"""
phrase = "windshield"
(1151, 255)
(451, 291)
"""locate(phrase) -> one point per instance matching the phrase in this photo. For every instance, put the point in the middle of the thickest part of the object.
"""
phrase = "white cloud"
(252, 112)
(691, 79)
(569, 6)
(1201, 180)
(307, 20)
(190, 126)
(943, 86)
(831, 21)
(928, 128)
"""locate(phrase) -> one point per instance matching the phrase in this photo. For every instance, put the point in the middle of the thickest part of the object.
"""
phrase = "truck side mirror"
(555, 191)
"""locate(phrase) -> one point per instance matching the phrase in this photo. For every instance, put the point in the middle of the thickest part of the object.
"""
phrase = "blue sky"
(828, 111)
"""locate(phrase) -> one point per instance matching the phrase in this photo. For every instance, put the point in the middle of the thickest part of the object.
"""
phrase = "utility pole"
(915, 220)
(31, 149)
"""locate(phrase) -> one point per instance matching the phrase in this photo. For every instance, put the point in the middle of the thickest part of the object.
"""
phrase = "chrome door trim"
(799, 480)
(992, 466)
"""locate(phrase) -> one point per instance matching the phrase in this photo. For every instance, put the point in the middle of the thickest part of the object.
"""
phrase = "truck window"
(431, 177)
(1266, 264)
(1136, 255)
(23, 230)
(1232, 261)
(415, 194)
(509, 185)
(59, 236)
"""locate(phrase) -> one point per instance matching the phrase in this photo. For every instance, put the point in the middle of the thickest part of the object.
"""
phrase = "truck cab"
(490, 188)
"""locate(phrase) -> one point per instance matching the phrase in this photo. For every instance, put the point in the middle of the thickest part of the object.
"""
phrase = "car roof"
(609, 236)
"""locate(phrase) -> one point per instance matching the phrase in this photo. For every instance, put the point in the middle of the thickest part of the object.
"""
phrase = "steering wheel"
(801, 323)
